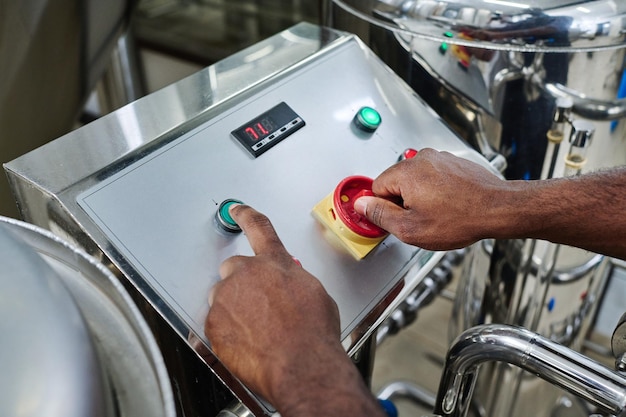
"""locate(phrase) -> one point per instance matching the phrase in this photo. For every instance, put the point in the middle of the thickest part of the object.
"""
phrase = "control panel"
(300, 149)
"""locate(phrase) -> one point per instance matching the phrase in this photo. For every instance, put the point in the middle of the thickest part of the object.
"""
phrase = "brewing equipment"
(539, 85)
(147, 187)
(73, 342)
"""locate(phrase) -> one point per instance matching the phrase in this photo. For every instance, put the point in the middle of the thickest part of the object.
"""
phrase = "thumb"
(383, 213)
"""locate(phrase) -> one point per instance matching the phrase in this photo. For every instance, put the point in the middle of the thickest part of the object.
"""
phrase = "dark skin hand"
(440, 194)
(275, 327)
(448, 202)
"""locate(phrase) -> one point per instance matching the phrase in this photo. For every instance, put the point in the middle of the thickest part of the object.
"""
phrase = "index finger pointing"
(258, 229)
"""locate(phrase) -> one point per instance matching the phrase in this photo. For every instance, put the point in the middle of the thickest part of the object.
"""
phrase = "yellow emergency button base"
(358, 246)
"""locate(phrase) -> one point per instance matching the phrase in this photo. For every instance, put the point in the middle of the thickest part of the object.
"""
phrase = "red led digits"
(268, 129)
(259, 130)
(268, 124)
(251, 133)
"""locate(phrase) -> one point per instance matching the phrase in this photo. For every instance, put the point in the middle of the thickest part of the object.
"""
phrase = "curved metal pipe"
(551, 361)
(588, 107)
(407, 389)
(419, 395)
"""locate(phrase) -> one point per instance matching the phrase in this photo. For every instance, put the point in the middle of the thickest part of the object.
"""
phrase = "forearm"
(332, 386)
(587, 211)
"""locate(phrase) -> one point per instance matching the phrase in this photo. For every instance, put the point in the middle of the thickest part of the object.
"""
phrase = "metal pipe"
(419, 395)
(580, 140)
(407, 389)
(562, 117)
(235, 409)
(551, 361)
(588, 107)
(431, 286)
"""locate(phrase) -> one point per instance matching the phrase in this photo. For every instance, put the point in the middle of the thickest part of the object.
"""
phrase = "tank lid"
(73, 342)
(522, 25)
(49, 365)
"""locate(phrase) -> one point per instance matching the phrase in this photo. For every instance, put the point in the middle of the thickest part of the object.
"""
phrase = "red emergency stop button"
(346, 193)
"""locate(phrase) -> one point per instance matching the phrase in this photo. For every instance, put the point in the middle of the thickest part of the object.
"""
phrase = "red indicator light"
(410, 153)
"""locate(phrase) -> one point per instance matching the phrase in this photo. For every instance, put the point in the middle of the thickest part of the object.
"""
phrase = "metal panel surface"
(159, 211)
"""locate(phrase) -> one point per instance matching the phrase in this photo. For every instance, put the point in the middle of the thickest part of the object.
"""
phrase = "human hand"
(446, 202)
(276, 328)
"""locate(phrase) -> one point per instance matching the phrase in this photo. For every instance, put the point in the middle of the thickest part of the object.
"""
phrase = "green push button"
(367, 119)
(223, 217)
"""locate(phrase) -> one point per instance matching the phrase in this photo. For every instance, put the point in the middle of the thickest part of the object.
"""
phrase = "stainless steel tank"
(494, 69)
(73, 342)
(538, 85)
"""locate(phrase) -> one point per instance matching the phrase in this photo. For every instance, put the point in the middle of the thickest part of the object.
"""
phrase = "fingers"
(258, 229)
(228, 268)
(393, 189)
(262, 238)
(214, 289)
(232, 264)
(383, 213)
(389, 183)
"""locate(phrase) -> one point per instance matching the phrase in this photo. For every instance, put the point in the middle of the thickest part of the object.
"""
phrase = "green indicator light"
(443, 47)
(448, 34)
(370, 116)
(367, 119)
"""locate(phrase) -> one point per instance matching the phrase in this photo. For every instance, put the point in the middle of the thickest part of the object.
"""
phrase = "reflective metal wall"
(206, 31)
(51, 54)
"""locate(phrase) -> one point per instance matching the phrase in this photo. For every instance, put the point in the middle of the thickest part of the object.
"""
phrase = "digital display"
(261, 129)
(266, 130)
